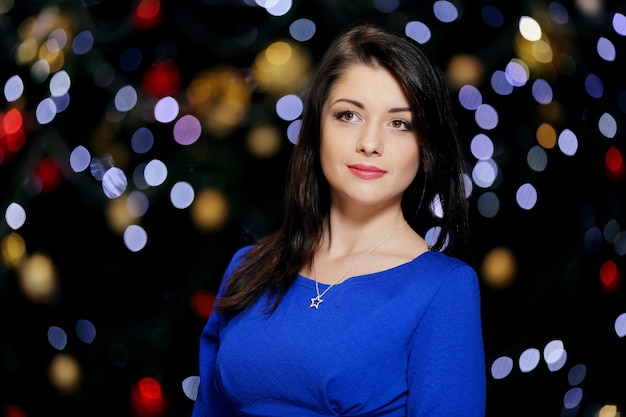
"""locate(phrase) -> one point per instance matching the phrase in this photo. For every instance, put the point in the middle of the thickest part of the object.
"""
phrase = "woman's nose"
(370, 140)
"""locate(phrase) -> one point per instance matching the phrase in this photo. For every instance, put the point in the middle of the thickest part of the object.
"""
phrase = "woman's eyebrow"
(356, 103)
(361, 106)
(399, 109)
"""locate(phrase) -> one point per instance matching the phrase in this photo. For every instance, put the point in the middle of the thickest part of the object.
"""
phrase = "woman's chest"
(350, 355)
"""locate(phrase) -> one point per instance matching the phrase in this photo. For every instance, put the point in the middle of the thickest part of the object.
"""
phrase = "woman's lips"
(366, 172)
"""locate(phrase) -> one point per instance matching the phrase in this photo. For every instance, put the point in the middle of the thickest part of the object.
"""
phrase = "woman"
(347, 309)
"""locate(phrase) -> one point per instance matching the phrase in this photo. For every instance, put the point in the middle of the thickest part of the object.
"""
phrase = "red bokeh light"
(147, 398)
(12, 410)
(148, 14)
(13, 121)
(48, 173)
(15, 141)
(202, 303)
(614, 162)
(610, 277)
(162, 79)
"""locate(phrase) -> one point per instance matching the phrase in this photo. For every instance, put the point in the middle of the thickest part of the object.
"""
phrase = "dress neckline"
(359, 278)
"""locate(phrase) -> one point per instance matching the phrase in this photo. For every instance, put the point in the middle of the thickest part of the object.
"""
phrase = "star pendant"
(316, 301)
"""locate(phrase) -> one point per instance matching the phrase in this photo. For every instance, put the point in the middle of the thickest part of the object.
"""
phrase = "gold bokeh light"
(65, 373)
(38, 279)
(499, 268)
(209, 211)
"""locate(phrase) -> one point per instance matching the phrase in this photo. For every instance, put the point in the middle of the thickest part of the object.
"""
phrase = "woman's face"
(369, 146)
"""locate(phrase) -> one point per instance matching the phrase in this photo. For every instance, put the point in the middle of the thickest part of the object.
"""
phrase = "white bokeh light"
(526, 196)
(15, 216)
(166, 110)
(554, 355)
(125, 99)
(501, 367)
(60, 84)
(13, 88)
(114, 182)
(529, 359)
(80, 158)
(529, 28)
(620, 325)
(190, 387)
(135, 238)
(155, 172)
(182, 195)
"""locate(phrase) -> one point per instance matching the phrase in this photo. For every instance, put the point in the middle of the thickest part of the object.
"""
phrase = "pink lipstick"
(366, 172)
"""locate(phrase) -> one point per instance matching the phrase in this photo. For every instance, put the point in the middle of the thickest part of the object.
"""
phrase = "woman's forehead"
(362, 82)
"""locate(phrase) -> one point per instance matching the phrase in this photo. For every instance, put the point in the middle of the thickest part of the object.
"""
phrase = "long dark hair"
(274, 262)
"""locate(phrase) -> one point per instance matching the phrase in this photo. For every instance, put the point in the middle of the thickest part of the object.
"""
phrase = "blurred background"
(143, 142)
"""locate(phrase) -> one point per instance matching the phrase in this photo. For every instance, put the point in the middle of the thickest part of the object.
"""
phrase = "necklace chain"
(317, 300)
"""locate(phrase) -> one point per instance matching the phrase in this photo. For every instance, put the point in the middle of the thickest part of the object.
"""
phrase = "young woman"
(360, 304)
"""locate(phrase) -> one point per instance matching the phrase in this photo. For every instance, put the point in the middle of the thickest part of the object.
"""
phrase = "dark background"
(142, 304)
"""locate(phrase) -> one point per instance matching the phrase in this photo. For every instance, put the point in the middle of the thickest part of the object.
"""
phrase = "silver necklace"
(317, 300)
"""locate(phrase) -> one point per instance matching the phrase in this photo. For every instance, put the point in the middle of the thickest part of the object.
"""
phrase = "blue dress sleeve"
(209, 402)
(447, 363)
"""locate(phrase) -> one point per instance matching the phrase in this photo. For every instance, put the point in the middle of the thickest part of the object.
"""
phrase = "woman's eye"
(346, 116)
(401, 124)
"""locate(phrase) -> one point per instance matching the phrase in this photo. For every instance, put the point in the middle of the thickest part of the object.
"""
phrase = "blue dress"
(403, 342)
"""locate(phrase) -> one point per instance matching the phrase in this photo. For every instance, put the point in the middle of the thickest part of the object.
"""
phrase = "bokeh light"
(499, 268)
(65, 373)
(38, 279)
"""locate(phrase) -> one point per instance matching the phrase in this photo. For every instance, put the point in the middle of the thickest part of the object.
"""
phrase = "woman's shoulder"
(238, 258)
(442, 260)
(431, 276)
(439, 265)
(241, 252)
